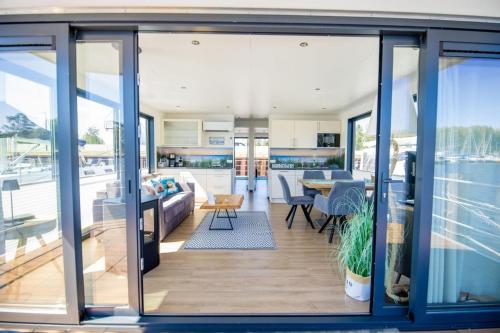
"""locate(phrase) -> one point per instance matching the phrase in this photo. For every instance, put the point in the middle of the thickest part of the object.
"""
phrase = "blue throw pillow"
(169, 185)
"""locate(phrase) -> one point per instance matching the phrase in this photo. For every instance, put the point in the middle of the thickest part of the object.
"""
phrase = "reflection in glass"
(465, 244)
(401, 190)
(365, 144)
(101, 152)
(261, 158)
(30, 225)
(241, 157)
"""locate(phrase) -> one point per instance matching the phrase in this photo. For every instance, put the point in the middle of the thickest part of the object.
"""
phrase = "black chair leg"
(398, 278)
(289, 213)
(326, 223)
(306, 214)
(310, 209)
(330, 240)
(292, 217)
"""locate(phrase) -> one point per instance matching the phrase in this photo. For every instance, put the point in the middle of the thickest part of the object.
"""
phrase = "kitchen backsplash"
(329, 159)
(205, 158)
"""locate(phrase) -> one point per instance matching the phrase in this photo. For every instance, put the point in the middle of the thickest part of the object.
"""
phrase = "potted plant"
(354, 253)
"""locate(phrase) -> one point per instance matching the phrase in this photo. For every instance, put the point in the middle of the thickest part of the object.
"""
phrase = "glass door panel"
(396, 170)
(30, 212)
(464, 265)
(241, 157)
(261, 157)
(102, 171)
(400, 180)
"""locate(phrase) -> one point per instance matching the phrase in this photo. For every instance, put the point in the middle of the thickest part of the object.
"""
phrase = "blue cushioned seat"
(344, 199)
(295, 201)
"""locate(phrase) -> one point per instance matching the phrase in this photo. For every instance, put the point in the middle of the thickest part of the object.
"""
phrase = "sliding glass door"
(37, 261)
(459, 245)
(108, 168)
(396, 161)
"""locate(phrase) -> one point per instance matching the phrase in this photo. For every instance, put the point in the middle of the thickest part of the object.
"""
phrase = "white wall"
(483, 10)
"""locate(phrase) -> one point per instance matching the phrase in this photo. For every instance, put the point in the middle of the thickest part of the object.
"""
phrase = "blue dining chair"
(344, 199)
(312, 174)
(295, 201)
(341, 174)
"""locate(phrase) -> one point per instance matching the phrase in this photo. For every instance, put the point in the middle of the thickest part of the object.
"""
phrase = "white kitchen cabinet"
(328, 126)
(182, 132)
(282, 133)
(305, 133)
(199, 178)
(276, 194)
(219, 181)
(218, 139)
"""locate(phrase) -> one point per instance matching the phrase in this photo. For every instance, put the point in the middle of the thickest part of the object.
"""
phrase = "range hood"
(218, 126)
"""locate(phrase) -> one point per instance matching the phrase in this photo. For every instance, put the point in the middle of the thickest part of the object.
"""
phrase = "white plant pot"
(356, 286)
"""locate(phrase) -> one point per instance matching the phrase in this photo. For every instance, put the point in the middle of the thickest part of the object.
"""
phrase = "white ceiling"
(255, 75)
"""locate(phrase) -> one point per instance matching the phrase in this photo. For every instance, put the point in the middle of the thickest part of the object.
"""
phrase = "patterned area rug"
(251, 231)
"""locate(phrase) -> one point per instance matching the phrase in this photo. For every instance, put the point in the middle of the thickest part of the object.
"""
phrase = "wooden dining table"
(325, 185)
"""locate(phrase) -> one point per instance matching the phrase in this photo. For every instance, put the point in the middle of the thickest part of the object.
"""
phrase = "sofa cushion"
(173, 206)
(169, 185)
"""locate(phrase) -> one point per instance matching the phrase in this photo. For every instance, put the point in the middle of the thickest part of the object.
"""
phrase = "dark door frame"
(56, 37)
(388, 43)
(132, 167)
(272, 24)
(465, 43)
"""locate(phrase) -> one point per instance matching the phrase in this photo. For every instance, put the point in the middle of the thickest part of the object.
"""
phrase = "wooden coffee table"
(224, 202)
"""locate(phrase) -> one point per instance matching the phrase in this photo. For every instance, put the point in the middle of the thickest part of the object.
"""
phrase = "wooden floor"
(300, 276)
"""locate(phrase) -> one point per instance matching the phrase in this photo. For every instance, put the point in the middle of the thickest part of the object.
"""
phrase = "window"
(362, 146)
(102, 155)
(146, 143)
(30, 220)
(241, 157)
(465, 245)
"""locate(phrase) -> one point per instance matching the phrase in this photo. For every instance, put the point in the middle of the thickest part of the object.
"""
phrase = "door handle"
(384, 186)
(393, 181)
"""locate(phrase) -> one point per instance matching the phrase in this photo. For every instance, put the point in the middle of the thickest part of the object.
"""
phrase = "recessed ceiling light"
(317, 89)
(177, 106)
(275, 107)
(323, 108)
(227, 106)
(303, 44)
(183, 87)
(195, 42)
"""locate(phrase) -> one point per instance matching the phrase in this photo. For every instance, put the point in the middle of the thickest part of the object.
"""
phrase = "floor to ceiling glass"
(101, 166)
(465, 244)
(30, 222)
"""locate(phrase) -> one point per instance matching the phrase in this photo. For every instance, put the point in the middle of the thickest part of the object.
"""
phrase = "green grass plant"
(355, 247)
